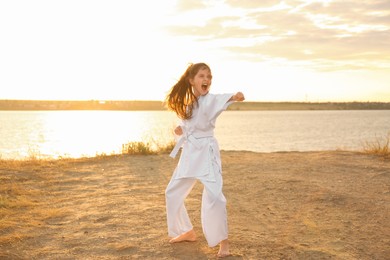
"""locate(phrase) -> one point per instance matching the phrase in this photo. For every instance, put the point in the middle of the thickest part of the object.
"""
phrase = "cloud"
(251, 4)
(190, 5)
(327, 34)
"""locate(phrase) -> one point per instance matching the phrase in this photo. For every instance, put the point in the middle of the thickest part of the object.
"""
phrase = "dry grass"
(137, 148)
(22, 190)
(147, 148)
(379, 146)
(14, 201)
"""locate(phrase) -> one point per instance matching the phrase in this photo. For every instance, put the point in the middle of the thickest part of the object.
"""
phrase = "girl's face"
(201, 82)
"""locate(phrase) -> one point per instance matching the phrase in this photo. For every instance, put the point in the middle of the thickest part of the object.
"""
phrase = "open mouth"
(204, 86)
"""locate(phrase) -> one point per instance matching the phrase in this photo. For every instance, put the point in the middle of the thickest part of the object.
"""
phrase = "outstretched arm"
(239, 96)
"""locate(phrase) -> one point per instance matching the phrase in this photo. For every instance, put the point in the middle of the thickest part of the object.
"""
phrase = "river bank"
(288, 205)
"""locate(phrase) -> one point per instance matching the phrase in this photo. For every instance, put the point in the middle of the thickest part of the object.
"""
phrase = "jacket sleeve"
(217, 103)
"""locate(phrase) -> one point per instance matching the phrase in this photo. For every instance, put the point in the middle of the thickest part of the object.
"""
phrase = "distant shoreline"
(36, 105)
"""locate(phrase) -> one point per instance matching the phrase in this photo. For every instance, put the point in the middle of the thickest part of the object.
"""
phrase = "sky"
(292, 50)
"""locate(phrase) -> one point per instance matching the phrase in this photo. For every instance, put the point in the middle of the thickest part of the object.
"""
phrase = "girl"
(200, 159)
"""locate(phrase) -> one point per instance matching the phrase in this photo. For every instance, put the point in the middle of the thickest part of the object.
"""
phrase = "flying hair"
(181, 98)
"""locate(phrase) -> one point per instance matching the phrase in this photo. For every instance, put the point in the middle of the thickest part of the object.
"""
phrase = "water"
(88, 133)
(78, 133)
(271, 131)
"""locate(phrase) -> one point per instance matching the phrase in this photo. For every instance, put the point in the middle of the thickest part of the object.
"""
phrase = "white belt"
(190, 138)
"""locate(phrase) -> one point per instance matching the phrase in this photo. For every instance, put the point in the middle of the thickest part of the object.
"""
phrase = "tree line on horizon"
(159, 105)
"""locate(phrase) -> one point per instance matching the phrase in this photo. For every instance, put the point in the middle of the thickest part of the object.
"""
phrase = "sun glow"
(127, 50)
(87, 133)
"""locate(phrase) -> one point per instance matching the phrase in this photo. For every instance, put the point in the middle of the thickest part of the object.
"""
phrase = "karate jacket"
(200, 156)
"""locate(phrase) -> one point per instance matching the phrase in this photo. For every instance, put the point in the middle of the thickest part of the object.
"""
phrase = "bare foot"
(188, 236)
(223, 249)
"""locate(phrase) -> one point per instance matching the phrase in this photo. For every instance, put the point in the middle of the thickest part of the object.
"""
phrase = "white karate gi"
(200, 160)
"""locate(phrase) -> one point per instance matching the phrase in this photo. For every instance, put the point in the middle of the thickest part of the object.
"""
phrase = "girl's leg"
(214, 215)
(177, 218)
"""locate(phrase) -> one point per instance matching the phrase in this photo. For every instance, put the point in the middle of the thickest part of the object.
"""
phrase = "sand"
(293, 205)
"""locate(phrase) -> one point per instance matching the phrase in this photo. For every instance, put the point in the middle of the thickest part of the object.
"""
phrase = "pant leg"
(177, 217)
(214, 214)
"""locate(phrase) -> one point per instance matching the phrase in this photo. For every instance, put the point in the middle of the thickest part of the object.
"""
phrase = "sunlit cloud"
(86, 49)
(328, 35)
(190, 5)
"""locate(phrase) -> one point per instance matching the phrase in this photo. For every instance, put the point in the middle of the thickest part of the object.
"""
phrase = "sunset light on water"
(82, 133)
(53, 134)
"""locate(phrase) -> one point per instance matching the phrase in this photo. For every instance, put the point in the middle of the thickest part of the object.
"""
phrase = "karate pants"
(213, 212)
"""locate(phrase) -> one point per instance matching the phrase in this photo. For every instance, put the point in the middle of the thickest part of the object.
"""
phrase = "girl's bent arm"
(178, 130)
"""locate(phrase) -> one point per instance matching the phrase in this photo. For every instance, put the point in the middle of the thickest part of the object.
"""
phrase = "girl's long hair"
(181, 98)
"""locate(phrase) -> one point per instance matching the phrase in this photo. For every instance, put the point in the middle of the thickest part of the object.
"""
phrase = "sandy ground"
(311, 205)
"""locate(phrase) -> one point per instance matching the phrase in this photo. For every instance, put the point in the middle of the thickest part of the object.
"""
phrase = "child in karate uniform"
(200, 159)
